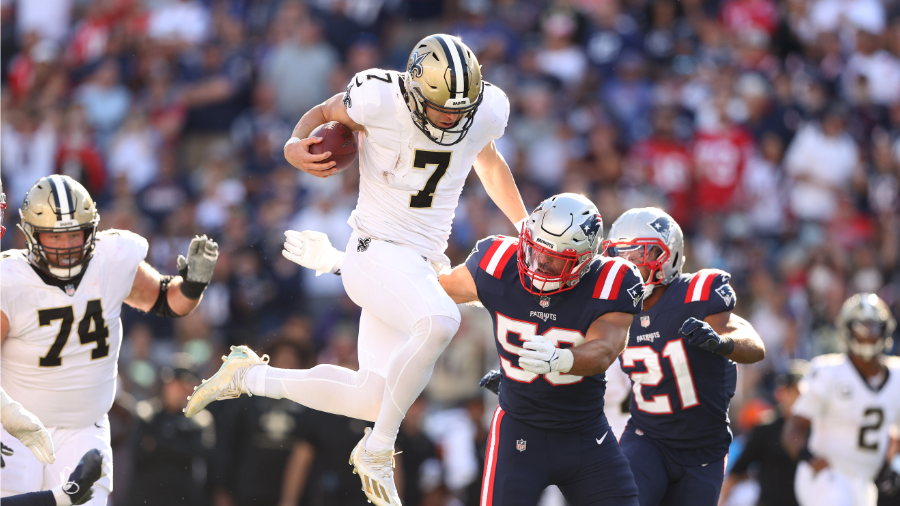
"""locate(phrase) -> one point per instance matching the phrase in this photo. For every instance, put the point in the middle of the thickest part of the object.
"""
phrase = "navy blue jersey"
(681, 392)
(554, 401)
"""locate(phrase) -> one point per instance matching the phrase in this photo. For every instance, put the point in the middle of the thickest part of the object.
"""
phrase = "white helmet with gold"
(57, 205)
(444, 75)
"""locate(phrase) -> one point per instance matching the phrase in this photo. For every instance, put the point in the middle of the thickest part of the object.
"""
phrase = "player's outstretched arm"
(27, 428)
(727, 334)
(296, 150)
(794, 439)
(499, 183)
(172, 297)
(604, 341)
(459, 285)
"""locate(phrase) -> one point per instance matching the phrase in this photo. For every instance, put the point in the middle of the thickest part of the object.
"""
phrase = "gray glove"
(197, 269)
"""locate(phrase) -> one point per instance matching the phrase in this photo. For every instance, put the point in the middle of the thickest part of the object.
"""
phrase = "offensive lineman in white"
(60, 328)
(847, 406)
(421, 133)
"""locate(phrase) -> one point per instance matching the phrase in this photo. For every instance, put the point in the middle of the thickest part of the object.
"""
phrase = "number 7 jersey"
(409, 185)
(60, 356)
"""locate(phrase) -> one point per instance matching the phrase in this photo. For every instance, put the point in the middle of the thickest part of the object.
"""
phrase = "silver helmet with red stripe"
(648, 237)
(557, 243)
(59, 219)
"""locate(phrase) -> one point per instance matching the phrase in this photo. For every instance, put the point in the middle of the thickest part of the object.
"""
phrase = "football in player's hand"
(338, 139)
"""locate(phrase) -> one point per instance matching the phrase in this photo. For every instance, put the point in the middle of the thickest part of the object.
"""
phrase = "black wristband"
(805, 454)
(727, 346)
(191, 289)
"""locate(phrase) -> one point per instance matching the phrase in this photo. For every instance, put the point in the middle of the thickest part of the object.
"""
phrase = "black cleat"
(88, 471)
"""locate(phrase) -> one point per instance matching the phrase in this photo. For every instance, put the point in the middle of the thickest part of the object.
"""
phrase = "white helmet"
(867, 315)
(557, 243)
(648, 237)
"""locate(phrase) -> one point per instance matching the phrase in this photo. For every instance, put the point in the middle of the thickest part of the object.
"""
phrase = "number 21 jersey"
(680, 393)
(409, 185)
(60, 357)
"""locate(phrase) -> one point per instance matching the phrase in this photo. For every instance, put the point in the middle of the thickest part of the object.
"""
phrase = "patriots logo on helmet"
(415, 64)
(663, 226)
(592, 228)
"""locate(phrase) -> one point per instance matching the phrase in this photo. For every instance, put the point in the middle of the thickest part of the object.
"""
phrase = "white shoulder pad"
(125, 249)
(371, 95)
(495, 111)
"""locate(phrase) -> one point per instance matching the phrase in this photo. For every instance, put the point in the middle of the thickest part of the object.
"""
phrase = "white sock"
(326, 388)
(409, 371)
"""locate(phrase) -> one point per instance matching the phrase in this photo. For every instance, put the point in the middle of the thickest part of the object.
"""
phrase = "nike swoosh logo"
(358, 84)
(600, 441)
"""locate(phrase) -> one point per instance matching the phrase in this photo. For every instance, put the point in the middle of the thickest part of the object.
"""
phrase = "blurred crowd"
(769, 129)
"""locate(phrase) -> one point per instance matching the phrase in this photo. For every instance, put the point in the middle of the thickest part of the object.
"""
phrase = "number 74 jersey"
(409, 185)
(681, 393)
(60, 357)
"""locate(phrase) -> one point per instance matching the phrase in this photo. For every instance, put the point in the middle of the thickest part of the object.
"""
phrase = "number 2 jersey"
(554, 401)
(409, 185)
(851, 418)
(680, 393)
(60, 356)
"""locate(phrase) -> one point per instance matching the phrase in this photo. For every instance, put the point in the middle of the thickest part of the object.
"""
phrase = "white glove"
(24, 426)
(312, 250)
(541, 356)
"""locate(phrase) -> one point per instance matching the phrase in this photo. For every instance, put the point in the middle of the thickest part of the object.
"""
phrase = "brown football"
(338, 139)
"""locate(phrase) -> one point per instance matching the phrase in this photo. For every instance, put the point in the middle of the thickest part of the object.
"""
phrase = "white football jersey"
(409, 185)
(60, 356)
(851, 420)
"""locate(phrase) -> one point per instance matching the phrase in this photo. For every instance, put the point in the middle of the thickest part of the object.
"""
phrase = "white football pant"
(24, 473)
(832, 488)
(407, 321)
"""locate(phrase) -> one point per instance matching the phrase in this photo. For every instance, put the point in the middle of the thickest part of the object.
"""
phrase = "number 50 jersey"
(60, 356)
(409, 185)
(554, 401)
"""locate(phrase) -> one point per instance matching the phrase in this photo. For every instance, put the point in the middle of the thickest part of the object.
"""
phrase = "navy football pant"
(663, 482)
(521, 461)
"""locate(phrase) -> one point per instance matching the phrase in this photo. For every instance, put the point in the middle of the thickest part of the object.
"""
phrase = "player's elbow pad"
(161, 306)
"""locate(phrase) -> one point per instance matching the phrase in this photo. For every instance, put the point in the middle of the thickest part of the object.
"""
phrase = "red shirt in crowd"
(746, 15)
(720, 157)
(666, 164)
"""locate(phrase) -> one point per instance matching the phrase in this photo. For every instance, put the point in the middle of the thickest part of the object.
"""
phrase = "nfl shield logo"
(545, 302)
(520, 445)
(70, 290)
(645, 321)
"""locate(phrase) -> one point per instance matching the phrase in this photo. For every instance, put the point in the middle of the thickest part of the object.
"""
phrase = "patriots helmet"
(557, 243)
(648, 237)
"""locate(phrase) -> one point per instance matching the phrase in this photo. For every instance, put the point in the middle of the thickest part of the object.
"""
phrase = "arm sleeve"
(44, 498)
(814, 389)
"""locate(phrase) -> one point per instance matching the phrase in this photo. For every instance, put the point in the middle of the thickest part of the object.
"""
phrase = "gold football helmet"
(59, 204)
(444, 75)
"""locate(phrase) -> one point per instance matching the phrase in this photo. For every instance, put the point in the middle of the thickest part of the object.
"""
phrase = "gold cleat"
(228, 382)
(376, 472)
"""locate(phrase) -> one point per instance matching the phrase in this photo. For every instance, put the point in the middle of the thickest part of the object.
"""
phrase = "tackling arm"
(296, 151)
(459, 285)
(748, 346)
(604, 342)
(499, 183)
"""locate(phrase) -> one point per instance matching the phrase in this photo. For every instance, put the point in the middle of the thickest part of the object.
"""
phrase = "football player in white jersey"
(60, 327)
(421, 132)
(848, 404)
